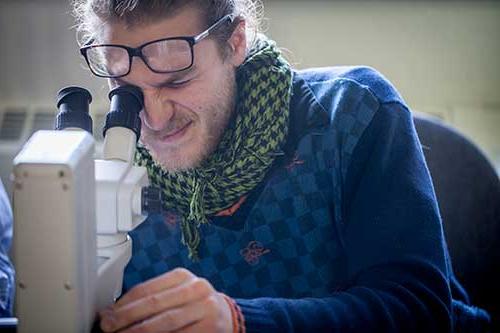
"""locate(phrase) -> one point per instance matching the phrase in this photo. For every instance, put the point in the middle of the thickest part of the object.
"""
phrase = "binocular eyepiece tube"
(126, 103)
(73, 104)
(121, 130)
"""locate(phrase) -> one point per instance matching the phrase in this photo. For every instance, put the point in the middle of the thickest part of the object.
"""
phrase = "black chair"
(468, 192)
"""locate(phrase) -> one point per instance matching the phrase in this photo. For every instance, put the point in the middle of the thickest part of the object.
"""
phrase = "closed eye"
(181, 79)
(177, 84)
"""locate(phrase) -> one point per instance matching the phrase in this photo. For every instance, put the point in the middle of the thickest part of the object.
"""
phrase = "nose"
(158, 110)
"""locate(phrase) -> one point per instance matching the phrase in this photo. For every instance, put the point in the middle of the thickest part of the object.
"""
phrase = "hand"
(177, 301)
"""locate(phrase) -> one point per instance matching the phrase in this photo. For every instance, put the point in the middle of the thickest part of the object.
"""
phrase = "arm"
(6, 268)
(393, 242)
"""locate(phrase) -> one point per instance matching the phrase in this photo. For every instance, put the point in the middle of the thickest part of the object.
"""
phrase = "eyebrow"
(175, 76)
(171, 77)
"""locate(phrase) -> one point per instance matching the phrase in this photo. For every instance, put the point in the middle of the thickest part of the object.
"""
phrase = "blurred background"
(443, 56)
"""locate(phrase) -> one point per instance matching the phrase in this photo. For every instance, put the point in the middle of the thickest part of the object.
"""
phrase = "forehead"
(185, 22)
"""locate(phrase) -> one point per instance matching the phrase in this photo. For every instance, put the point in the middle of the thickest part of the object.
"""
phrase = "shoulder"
(342, 104)
(354, 79)
(335, 97)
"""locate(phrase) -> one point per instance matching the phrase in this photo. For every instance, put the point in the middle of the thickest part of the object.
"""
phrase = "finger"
(203, 325)
(151, 305)
(172, 319)
(211, 322)
(165, 281)
(193, 328)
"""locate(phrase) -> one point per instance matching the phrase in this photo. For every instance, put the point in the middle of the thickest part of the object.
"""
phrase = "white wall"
(39, 53)
(442, 55)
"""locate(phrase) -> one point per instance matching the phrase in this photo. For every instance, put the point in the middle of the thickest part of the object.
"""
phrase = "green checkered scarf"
(245, 152)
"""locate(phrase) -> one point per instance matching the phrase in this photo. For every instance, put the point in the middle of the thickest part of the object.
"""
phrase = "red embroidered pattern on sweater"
(253, 252)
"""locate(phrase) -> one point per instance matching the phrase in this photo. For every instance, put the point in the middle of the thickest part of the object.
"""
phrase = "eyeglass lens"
(168, 55)
(108, 60)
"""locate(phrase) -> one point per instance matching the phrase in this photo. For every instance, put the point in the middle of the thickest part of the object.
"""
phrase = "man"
(295, 201)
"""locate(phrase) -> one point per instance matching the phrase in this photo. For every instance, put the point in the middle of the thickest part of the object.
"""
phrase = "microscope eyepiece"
(73, 104)
(126, 103)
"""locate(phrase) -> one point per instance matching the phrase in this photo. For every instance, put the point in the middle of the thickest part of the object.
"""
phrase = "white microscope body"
(118, 208)
(71, 218)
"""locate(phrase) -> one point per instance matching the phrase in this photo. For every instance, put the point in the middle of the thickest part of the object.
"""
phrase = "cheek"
(143, 123)
(195, 99)
(190, 97)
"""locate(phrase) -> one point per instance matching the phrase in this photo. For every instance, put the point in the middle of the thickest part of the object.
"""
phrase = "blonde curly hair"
(91, 15)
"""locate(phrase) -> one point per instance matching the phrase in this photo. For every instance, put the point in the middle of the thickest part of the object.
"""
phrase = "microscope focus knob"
(151, 200)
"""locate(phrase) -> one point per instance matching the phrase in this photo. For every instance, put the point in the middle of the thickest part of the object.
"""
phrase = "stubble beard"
(213, 121)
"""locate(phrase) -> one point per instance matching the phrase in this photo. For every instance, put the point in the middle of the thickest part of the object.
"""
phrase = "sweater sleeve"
(6, 268)
(393, 241)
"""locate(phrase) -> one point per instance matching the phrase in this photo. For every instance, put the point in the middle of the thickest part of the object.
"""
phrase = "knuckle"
(170, 320)
(182, 273)
(201, 286)
(138, 291)
(186, 293)
(211, 303)
(154, 301)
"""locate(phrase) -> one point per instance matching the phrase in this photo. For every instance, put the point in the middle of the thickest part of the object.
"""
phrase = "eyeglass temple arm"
(207, 32)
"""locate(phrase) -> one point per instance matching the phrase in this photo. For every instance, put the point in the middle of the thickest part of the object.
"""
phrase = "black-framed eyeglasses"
(166, 55)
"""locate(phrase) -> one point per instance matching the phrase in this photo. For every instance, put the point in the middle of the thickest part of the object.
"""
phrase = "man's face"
(185, 113)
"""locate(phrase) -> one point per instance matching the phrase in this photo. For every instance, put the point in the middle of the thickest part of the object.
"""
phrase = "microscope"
(72, 213)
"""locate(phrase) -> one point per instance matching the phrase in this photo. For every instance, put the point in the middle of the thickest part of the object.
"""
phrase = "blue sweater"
(344, 234)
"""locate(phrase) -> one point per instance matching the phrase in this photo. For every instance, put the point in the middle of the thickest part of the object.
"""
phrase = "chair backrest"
(468, 191)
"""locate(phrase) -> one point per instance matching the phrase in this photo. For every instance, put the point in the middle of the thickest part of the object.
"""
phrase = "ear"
(238, 44)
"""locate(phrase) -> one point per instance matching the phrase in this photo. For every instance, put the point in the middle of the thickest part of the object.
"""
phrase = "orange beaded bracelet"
(234, 313)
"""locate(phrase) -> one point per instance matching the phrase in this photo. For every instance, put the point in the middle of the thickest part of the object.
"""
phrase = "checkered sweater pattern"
(343, 235)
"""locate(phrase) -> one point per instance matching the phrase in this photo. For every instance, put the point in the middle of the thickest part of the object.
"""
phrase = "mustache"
(171, 126)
